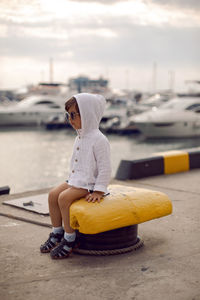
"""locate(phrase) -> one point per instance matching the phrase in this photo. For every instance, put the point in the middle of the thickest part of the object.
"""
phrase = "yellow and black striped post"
(168, 162)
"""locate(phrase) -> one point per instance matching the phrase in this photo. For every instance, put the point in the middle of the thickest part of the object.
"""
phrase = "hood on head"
(91, 109)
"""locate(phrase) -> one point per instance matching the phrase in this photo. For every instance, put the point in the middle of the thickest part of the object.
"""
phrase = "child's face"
(76, 122)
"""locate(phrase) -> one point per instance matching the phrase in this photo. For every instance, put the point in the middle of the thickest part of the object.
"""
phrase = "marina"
(163, 114)
(34, 158)
(139, 240)
(37, 142)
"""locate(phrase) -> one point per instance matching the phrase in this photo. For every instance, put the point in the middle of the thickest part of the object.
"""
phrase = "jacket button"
(77, 148)
(76, 160)
(72, 171)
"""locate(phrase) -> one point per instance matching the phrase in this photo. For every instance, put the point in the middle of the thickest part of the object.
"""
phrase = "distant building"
(84, 84)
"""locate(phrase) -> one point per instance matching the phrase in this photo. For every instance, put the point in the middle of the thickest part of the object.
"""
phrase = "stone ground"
(167, 267)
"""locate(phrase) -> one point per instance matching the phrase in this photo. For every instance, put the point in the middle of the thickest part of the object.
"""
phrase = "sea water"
(35, 158)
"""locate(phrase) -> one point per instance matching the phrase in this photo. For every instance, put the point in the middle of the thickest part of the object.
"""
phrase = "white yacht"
(150, 102)
(33, 110)
(179, 117)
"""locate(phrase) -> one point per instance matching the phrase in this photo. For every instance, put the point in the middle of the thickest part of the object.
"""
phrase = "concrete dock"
(167, 267)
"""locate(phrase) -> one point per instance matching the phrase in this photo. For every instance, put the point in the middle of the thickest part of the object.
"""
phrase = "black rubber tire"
(89, 246)
(109, 240)
(119, 233)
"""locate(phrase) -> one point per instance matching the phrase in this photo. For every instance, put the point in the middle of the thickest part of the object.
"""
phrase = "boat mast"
(51, 70)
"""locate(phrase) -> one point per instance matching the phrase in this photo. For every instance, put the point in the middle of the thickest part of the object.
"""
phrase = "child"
(90, 171)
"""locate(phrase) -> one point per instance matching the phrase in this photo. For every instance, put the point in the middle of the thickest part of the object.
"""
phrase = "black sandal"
(60, 252)
(49, 244)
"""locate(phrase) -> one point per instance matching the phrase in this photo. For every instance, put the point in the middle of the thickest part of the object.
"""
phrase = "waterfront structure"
(83, 84)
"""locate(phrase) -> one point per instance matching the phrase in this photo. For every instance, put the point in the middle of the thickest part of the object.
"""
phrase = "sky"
(137, 44)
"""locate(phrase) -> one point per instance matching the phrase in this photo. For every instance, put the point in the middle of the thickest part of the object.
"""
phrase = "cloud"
(140, 46)
(181, 4)
(100, 39)
(106, 2)
(125, 34)
(82, 13)
(18, 4)
(132, 44)
(32, 47)
(176, 3)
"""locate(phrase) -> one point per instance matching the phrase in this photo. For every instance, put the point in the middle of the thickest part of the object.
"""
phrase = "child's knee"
(64, 201)
(52, 196)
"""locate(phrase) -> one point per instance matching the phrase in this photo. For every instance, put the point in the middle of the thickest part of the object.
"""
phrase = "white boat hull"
(33, 110)
(167, 130)
(25, 118)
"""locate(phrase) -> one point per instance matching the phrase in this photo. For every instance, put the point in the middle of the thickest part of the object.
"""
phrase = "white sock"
(70, 237)
(57, 230)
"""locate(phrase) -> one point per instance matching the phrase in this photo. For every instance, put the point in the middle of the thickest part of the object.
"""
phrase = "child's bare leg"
(65, 199)
(56, 236)
(54, 210)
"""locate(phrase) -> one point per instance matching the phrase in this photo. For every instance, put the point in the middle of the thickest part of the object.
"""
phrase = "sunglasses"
(72, 115)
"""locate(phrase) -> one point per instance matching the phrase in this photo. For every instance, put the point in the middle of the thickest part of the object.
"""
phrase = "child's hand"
(93, 197)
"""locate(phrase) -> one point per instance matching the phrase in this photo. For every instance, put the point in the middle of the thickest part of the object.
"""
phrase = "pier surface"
(167, 267)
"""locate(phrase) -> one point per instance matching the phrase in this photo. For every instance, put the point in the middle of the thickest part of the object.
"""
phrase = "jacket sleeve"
(102, 156)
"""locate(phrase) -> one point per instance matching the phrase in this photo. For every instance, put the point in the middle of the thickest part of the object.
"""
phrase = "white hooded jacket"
(90, 166)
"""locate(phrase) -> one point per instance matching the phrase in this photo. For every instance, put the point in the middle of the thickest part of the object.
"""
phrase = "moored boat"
(33, 110)
(179, 117)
